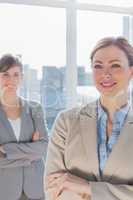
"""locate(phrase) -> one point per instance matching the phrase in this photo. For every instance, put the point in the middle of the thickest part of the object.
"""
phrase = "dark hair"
(8, 61)
(119, 42)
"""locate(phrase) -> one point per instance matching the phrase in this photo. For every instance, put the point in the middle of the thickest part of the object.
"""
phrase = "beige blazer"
(73, 147)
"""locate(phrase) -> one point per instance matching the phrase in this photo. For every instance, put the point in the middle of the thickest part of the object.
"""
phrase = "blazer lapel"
(24, 113)
(7, 124)
(121, 149)
(23, 118)
(89, 135)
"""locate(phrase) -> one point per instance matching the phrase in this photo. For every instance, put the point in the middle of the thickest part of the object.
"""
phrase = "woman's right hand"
(59, 182)
(35, 136)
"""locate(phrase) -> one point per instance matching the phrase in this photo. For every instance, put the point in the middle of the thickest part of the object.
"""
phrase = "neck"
(10, 101)
(113, 104)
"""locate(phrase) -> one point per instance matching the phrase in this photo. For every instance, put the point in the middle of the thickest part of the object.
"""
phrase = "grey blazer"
(23, 165)
(73, 148)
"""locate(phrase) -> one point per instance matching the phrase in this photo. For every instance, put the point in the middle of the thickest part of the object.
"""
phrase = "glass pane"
(37, 35)
(120, 3)
(92, 26)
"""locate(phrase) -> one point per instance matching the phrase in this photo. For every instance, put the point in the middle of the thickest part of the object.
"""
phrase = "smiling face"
(10, 80)
(111, 71)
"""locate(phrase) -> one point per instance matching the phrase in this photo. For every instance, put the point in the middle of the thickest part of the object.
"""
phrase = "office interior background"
(53, 39)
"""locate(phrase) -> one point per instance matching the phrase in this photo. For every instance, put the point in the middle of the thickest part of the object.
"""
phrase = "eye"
(116, 66)
(97, 66)
(5, 75)
(16, 74)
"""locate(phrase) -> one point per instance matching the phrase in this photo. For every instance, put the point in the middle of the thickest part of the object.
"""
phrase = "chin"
(112, 91)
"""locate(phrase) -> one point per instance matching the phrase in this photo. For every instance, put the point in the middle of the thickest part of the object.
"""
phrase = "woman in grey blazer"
(90, 150)
(23, 138)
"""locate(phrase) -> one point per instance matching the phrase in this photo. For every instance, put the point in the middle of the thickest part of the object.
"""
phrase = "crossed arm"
(59, 181)
(22, 154)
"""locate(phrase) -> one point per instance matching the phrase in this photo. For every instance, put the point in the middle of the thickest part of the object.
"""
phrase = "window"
(37, 34)
(44, 35)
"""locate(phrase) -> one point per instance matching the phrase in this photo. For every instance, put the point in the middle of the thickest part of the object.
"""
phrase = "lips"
(108, 84)
(10, 87)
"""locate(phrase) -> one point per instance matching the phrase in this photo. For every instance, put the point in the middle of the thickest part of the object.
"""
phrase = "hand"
(1, 149)
(35, 136)
(2, 152)
(2, 155)
(62, 181)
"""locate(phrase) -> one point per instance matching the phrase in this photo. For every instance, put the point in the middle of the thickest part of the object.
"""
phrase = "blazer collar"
(88, 115)
(90, 109)
(24, 112)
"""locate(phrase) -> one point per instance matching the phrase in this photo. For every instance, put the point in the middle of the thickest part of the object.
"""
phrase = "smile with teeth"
(108, 84)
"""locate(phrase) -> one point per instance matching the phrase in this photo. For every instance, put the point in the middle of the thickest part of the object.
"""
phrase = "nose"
(107, 72)
(10, 80)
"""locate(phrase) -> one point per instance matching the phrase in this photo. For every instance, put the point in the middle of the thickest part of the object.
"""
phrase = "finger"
(58, 191)
(51, 194)
(37, 133)
(53, 182)
(35, 136)
(49, 181)
(56, 182)
(51, 178)
(54, 178)
(55, 175)
(60, 186)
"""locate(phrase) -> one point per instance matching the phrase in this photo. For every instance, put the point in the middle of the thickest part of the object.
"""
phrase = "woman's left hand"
(65, 181)
(2, 152)
(35, 136)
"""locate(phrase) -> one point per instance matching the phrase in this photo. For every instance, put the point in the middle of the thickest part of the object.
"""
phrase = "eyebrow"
(100, 62)
(115, 60)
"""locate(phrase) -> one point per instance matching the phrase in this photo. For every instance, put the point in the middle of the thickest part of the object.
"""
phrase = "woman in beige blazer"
(90, 150)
